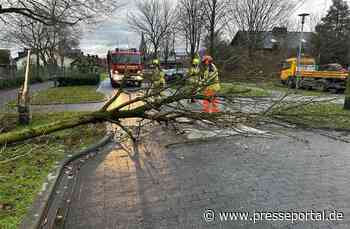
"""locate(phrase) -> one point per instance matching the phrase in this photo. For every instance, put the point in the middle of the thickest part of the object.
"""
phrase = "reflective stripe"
(193, 75)
(213, 78)
(158, 75)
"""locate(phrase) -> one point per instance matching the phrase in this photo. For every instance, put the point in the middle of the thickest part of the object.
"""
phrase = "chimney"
(277, 31)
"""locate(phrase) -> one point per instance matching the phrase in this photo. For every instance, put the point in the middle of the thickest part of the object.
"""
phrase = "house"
(21, 60)
(7, 68)
(69, 57)
(277, 39)
(88, 62)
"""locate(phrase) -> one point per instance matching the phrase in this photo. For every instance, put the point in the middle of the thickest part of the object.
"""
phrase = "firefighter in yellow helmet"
(212, 85)
(193, 76)
(158, 78)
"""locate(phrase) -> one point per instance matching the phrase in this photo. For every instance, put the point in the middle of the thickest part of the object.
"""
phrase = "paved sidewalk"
(9, 95)
(104, 88)
(171, 187)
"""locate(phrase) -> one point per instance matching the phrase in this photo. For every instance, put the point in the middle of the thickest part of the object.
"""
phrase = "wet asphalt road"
(171, 185)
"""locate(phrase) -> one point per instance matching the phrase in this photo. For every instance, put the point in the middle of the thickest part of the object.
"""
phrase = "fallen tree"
(170, 106)
(152, 106)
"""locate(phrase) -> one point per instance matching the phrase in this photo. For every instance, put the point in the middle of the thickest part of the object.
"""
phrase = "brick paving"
(170, 187)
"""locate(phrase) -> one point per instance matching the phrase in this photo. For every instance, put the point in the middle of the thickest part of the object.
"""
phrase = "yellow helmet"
(196, 61)
(155, 62)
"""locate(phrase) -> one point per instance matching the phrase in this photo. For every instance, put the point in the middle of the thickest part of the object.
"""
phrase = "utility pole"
(23, 103)
(303, 16)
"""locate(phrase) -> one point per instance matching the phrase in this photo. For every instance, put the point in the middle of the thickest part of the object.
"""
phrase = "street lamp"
(303, 16)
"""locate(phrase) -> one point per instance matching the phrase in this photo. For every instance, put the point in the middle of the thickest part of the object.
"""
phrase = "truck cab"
(289, 67)
(125, 67)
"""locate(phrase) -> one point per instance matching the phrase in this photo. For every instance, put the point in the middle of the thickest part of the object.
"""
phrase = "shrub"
(17, 82)
(78, 79)
(5, 56)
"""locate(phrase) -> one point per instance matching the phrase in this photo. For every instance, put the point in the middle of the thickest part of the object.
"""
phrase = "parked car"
(333, 67)
(173, 74)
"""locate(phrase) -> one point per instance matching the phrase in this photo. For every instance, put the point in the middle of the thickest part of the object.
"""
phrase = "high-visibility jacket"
(158, 77)
(193, 74)
(211, 78)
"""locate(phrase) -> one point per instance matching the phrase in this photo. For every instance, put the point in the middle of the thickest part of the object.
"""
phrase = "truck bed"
(325, 74)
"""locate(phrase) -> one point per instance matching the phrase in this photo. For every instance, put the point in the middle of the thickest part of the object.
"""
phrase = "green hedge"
(78, 79)
(16, 82)
(18, 78)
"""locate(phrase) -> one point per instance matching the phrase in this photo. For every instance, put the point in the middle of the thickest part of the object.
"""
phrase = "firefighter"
(158, 78)
(193, 75)
(211, 84)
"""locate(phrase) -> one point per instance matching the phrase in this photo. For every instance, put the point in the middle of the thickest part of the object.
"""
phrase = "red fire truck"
(125, 67)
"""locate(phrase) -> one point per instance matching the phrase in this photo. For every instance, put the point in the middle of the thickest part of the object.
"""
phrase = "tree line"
(332, 35)
(50, 28)
(47, 26)
(204, 22)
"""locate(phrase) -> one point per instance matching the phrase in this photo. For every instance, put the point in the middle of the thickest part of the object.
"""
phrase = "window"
(308, 67)
(126, 59)
(285, 65)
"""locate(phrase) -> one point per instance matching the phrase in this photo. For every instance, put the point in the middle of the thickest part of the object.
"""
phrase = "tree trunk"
(23, 105)
(37, 64)
(212, 28)
(347, 96)
(114, 116)
(212, 37)
(93, 117)
(29, 133)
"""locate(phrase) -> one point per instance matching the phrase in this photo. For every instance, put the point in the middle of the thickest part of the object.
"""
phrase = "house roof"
(269, 39)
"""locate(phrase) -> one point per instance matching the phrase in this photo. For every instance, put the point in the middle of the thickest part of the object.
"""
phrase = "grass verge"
(319, 115)
(103, 76)
(24, 167)
(68, 95)
(231, 88)
(278, 86)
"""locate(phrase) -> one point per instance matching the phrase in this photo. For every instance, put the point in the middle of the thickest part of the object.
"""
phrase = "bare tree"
(52, 11)
(215, 12)
(49, 43)
(191, 20)
(166, 49)
(155, 19)
(68, 39)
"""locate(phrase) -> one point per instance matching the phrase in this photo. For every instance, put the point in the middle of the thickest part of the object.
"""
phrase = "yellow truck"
(310, 76)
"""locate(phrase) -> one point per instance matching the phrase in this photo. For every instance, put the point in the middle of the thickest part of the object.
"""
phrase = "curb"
(42, 201)
(309, 127)
(87, 102)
